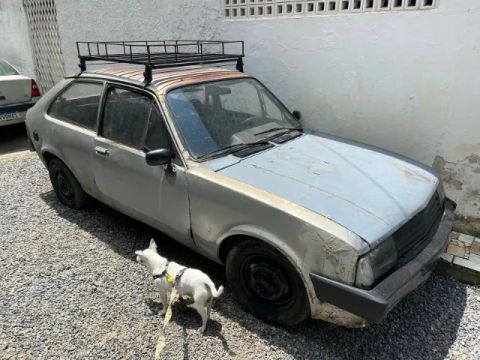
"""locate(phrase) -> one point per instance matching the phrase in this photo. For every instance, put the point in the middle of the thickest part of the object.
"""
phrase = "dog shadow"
(187, 318)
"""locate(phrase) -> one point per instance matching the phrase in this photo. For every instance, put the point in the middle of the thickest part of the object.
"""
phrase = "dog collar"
(162, 274)
(159, 276)
(170, 279)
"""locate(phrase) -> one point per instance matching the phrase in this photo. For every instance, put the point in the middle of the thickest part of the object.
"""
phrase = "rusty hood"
(366, 190)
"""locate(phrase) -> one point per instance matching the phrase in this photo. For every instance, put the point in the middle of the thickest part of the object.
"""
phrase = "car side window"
(126, 115)
(157, 135)
(78, 104)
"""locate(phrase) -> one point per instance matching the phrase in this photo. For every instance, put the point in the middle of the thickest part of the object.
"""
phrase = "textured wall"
(14, 40)
(406, 81)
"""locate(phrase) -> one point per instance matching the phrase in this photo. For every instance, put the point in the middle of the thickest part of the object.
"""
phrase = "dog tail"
(218, 292)
(215, 292)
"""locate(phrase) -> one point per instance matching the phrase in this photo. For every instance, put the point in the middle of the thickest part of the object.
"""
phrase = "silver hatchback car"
(307, 224)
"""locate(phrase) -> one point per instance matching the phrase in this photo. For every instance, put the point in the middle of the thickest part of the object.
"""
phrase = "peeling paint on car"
(328, 312)
(367, 193)
(415, 173)
(332, 256)
(295, 231)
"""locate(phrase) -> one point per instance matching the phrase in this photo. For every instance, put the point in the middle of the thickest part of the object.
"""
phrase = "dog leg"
(209, 306)
(201, 309)
(164, 301)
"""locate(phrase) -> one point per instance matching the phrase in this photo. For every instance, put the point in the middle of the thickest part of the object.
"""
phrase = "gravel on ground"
(70, 288)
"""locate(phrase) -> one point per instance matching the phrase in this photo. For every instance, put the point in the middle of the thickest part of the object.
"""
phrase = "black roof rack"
(161, 53)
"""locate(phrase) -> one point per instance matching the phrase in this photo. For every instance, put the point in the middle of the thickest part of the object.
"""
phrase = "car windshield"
(215, 116)
(6, 69)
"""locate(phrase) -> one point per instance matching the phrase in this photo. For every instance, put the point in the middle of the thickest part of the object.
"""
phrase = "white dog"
(188, 282)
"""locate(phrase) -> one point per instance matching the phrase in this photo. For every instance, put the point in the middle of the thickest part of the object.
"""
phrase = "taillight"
(35, 89)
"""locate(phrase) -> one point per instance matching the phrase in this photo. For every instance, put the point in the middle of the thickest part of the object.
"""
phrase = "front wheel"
(266, 285)
(66, 187)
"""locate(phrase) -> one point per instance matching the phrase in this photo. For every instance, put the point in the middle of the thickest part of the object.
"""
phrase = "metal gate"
(45, 42)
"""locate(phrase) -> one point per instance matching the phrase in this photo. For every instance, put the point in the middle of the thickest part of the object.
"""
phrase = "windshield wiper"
(231, 149)
(277, 129)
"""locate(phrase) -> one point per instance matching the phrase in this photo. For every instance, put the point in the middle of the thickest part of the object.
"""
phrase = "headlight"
(376, 263)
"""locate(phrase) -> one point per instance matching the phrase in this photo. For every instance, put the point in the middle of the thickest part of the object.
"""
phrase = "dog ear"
(152, 245)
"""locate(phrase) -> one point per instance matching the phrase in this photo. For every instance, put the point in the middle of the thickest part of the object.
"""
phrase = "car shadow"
(13, 138)
(423, 325)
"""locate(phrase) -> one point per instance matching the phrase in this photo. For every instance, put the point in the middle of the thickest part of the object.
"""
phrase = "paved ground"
(69, 288)
(13, 138)
(462, 258)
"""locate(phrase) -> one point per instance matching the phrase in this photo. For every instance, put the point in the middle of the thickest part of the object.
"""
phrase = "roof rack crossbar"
(158, 54)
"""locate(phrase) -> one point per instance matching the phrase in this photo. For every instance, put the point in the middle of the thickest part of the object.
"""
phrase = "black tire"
(66, 187)
(266, 285)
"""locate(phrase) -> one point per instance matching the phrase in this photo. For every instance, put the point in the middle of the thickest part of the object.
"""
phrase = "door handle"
(101, 151)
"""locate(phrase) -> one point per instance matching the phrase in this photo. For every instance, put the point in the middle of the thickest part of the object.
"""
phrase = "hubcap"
(64, 185)
(267, 281)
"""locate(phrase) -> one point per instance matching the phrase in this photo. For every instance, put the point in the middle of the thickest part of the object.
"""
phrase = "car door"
(132, 124)
(71, 127)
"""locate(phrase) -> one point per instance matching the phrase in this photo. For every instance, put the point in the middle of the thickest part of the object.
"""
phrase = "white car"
(18, 93)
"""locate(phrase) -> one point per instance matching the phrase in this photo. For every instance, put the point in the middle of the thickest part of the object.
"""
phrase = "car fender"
(45, 150)
(282, 246)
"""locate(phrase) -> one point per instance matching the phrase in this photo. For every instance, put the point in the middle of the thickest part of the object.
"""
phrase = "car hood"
(368, 191)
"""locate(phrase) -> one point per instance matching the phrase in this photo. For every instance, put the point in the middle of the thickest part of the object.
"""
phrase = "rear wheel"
(66, 187)
(265, 284)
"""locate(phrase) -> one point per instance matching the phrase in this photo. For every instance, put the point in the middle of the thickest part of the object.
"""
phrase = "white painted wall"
(14, 39)
(405, 81)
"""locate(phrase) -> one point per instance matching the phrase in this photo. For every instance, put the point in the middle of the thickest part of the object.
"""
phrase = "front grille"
(414, 236)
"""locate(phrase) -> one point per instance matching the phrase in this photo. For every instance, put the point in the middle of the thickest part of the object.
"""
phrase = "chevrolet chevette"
(307, 224)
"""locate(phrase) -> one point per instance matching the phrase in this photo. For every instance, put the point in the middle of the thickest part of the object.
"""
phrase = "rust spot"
(164, 79)
(413, 173)
(319, 167)
(199, 77)
(324, 191)
(319, 140)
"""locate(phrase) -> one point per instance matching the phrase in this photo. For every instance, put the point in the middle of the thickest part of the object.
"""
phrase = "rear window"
(6, 69)
(78, 104)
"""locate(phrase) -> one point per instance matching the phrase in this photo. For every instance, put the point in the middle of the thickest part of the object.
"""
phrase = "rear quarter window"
(78, 104)
(6, 69)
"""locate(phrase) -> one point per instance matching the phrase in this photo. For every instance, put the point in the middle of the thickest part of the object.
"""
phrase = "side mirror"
(297, 114)
(159, 157)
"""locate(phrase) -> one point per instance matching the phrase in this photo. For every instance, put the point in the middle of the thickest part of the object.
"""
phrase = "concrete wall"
(405, 81)
(14, 39)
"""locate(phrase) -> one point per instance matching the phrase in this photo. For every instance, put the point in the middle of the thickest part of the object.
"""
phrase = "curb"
(461, 260)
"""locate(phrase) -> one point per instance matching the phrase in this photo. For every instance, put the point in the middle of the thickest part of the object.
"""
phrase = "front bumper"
(373, 305)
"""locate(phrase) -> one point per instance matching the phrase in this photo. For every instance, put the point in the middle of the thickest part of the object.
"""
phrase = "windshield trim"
(174, 123)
